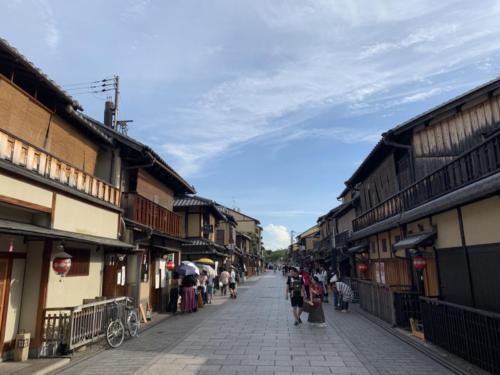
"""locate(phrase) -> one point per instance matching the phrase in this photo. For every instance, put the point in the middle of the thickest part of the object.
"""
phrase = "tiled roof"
(196, 201)
(34, 69)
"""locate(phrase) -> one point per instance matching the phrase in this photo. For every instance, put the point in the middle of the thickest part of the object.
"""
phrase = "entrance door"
(4, 291)
(114, 277)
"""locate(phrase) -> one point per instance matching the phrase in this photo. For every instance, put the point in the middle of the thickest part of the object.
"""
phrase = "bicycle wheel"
(133, 323)
(115, 333)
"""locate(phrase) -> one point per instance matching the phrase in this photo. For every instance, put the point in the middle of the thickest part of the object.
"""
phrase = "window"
(219, 236)
(373, 247)
(384, 245)
(80, 261)
(397, 239)
(145, 268)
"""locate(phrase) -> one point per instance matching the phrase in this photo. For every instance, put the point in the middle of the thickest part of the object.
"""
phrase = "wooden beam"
(24, 204)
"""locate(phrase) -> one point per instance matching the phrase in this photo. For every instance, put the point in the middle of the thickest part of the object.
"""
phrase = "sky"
(266, 106)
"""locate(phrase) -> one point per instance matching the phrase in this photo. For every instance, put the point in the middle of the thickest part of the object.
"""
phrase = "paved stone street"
(255, 334)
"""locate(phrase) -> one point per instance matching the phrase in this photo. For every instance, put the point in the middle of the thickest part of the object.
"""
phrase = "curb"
(424, 349)
(53, 367)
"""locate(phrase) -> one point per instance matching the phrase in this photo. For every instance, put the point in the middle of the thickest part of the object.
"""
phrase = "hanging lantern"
(419, 263)
(170, 265)
(61, 264)
(362, 267)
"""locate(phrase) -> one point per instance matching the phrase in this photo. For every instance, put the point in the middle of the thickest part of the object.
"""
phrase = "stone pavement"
(255, 334)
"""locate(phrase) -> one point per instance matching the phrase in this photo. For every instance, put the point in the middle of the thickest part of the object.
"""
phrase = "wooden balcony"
(36, 160)
(144, 211)
(480, 162)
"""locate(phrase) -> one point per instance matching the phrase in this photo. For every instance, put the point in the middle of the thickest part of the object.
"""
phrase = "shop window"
(80, 261)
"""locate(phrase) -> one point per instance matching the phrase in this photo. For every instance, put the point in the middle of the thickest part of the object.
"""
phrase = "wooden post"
(42, 297)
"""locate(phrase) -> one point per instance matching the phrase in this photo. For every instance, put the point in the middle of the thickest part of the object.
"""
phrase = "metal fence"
(467, 332)
(67, 328)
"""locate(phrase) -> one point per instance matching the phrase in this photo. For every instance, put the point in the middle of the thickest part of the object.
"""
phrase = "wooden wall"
(381, 184)
(154, 190)
(22, 116)
(444, 139)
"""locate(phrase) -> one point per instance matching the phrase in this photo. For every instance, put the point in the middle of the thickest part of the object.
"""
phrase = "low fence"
(65, 329)
(467, 332)
(379, 300)
(406, 306)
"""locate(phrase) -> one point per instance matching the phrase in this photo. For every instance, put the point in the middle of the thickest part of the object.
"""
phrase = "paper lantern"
(419, 263)
(61, 264)
(362, 267)
(170, 265)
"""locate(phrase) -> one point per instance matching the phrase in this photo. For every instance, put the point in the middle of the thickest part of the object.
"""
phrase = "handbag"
(307, 307)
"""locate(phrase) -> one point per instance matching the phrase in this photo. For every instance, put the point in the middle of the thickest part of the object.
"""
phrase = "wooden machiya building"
(59, 192)
(200, 219)
(426, 225)
(149, 224)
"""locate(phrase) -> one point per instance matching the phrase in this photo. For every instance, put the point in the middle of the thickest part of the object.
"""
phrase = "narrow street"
(255, 334)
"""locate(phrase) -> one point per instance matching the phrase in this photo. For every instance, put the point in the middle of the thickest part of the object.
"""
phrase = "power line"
(88, 82)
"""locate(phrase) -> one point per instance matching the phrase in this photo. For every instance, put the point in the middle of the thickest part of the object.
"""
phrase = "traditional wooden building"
(199, 219)
(59, 191)
(307, 242)
(427, 214)
(252, 228)
(150, 225)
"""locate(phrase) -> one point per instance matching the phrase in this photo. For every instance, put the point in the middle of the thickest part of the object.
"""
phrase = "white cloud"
(51, 30)
(352, 65)
(276, 237)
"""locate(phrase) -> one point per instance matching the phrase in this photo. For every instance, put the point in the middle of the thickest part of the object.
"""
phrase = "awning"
(165, 248)
(357, 249)
(13, 227)
(414, 241)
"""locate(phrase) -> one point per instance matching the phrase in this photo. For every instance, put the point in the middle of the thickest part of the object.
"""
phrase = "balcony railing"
(144, 211)
(36, 160)
(480, 162)
(342, 239)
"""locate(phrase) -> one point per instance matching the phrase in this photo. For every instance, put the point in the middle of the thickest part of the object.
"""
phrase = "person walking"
(295, 290)
(345, 293)
(316, 313)
(224, 279)
(306, 278)
(174, 294)
(210, 288)
(232, 283)
(203, 278)
(336, 300)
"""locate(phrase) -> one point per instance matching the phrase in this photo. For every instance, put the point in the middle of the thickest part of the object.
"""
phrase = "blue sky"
(263, 105)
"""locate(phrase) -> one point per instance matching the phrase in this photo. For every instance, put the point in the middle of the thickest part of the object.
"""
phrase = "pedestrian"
(306, 277)
(224, 279)
(188, 300)
(333, 279)
(203, 278)
(316, 313)
(232, 284)
(210, 288)
(295, 290)
(346, 295)
(174, 294)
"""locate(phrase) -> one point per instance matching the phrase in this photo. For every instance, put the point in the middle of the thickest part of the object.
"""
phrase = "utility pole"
(117, 96)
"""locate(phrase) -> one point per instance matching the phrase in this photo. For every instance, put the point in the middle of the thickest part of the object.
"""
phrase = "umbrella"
(187, 268)
(206, 267)
(205, 261)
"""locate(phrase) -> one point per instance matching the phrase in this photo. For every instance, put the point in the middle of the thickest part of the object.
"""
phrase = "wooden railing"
(342, 239)
(469, 333)
(38, 161)
(482, 161)
(146, 212)
(67, 328)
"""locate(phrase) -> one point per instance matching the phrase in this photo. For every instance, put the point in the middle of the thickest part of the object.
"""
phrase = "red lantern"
(61, 264)
(419, 263)
(362, 267)
(170, 265)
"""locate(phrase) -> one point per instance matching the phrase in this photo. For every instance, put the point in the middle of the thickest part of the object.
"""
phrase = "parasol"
(187, 268)
(206, 267)
(205, 261)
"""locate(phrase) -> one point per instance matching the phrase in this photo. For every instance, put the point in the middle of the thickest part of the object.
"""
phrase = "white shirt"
(232, 279)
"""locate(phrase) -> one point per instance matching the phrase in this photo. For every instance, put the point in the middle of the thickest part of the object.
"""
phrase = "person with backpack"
(295, 291)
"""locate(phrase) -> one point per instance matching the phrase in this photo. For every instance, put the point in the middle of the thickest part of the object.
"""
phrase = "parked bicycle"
(121, 316)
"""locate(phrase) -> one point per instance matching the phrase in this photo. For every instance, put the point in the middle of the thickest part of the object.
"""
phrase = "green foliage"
(275, 256)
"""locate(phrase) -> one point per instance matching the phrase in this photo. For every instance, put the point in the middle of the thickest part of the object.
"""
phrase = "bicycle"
(122, 314)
